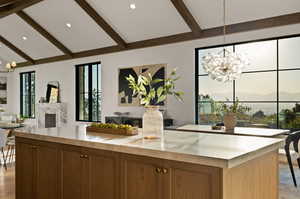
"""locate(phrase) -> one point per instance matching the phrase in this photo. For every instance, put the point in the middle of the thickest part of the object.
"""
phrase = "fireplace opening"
(50, 120)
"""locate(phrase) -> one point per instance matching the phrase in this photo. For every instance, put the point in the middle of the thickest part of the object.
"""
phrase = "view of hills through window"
(268, 85)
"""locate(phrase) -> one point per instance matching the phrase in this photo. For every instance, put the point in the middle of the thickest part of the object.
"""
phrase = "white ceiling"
(8, 55)
(209, 13)
(85, 34)
(12, 28)
(150, 19)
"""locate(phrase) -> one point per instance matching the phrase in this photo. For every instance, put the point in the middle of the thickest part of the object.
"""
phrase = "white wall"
(180, 56)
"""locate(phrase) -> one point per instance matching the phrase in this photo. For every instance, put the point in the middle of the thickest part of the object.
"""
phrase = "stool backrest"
(294, 139)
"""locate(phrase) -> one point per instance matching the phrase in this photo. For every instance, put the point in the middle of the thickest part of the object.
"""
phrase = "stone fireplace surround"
(57, 109)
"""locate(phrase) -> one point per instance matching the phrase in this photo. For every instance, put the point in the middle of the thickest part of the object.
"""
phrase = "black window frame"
(277, 70)
(30, 104)
(77, 87)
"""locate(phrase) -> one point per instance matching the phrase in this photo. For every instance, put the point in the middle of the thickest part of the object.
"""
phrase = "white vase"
(153, 123)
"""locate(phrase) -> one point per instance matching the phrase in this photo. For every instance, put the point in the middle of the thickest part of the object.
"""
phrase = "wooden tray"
(126, 132)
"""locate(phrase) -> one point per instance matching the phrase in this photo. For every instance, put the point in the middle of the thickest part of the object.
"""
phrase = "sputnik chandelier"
(224, 66)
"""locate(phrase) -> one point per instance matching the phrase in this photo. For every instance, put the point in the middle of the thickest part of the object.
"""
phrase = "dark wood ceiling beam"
(44, 32)
(16, 50)
(212, 32)
(17, 6)
(187, 16)
(7, 2)
(101, 22)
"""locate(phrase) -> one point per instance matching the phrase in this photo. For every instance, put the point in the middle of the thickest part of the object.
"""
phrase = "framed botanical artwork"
(125, 94)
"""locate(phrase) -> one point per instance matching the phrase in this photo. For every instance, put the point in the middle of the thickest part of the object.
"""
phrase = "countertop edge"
(173, 156)
(255, 154)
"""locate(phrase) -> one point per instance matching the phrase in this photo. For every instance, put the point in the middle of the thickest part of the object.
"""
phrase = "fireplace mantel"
(59, 109)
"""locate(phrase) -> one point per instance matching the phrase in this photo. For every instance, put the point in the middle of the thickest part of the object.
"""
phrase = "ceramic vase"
(230, 121)
(153, 123)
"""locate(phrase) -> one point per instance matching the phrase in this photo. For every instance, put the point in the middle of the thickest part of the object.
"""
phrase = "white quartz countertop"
(224, 151)
(259, 132)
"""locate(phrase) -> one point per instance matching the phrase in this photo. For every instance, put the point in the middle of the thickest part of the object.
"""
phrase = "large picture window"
(269, 85)
(27, 94)
(88, 92)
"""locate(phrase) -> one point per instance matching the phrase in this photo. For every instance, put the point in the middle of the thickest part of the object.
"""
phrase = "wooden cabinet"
(102, 173)
(36, 170)
(140, 178)
(149, 178)
(25, 171)
(188, 181)
(88, 174)
(71, 176)
(50, 170)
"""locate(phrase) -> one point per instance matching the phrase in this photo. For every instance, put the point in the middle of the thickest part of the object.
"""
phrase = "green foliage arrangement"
(147, 91)
(112, 126)
(236, 107)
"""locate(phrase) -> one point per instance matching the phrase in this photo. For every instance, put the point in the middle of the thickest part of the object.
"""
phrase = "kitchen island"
(69, 163)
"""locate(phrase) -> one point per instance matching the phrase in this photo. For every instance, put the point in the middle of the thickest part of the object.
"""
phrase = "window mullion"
(90, 86)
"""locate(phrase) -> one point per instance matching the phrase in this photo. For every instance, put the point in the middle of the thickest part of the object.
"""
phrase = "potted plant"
(230, 113)
(151, 93)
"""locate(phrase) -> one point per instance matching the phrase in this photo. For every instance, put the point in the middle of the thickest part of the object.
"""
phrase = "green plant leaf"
(156, 81)
(160, 91)
(161, 98)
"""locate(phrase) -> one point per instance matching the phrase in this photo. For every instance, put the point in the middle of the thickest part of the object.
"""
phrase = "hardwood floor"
(7, 182)
(286, 188)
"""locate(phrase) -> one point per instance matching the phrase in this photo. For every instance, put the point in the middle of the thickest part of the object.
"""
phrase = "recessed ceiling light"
(132, 6)
(24, 38)
(68, 25)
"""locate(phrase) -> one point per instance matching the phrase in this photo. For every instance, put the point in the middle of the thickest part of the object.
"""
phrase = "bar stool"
(10, 153)
(292, 139)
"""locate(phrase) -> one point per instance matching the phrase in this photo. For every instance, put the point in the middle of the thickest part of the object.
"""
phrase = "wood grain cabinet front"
(36, 170)
(141, 178)
(54, 171)
(188, 181)
(150, 178)
(88, 174)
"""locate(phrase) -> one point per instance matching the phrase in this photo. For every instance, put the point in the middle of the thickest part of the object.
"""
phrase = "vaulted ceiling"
(37, 32)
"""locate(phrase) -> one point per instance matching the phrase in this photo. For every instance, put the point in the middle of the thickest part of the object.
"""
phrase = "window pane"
(26, 84)
(27, 94)
(83, 79)
(95, 106)
(257, 87)
(262, 115)
(218, 91)
(207, 112)
(289, 53)
(204, 52)
(89, 92)
(32, 84)
(84, 107)
(33, 106)
(289, 116)
(261, 55)
(289, 82)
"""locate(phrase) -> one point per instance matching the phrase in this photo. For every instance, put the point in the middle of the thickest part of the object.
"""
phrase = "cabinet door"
(25, 171)
(139, 178)
(71, 173)
(188, 181)
(103, 176)
(47, 172)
